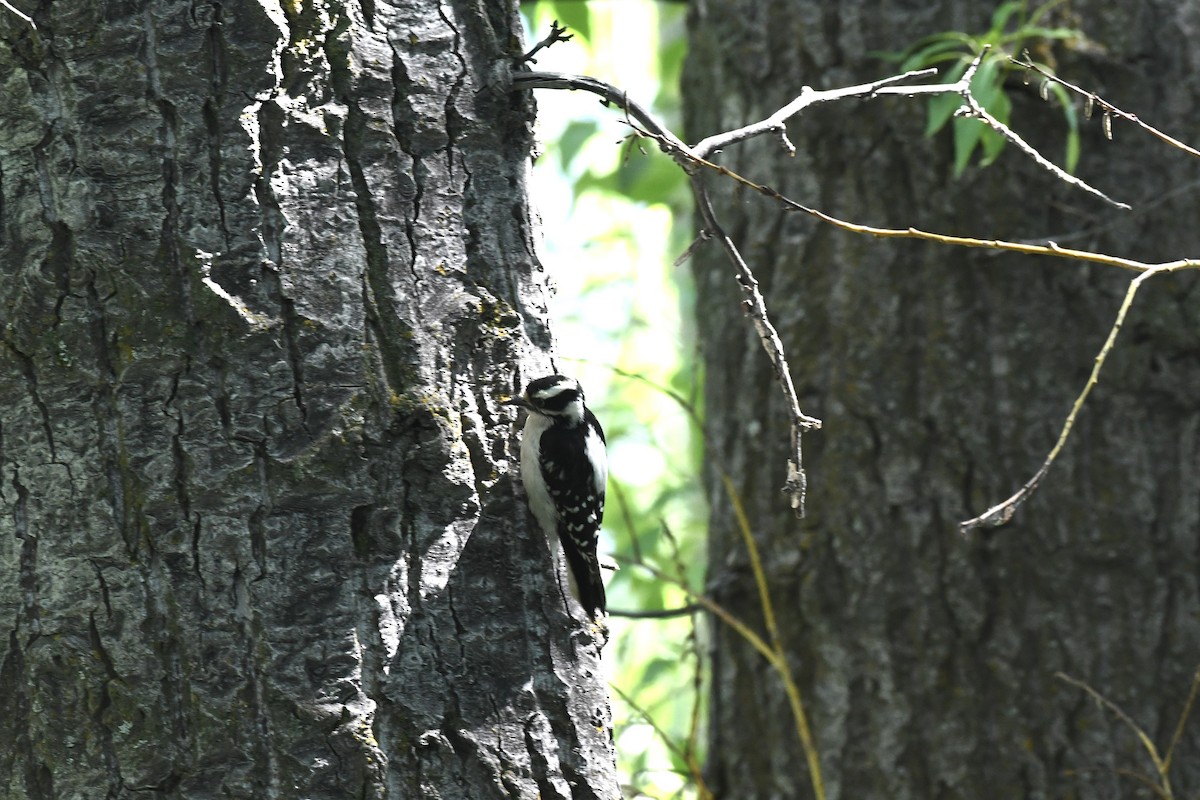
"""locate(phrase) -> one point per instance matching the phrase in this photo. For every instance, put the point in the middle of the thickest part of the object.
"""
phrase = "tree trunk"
(267, 270)
(927, 661)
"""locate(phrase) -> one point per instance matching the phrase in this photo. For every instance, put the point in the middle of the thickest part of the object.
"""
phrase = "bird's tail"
(587, 582)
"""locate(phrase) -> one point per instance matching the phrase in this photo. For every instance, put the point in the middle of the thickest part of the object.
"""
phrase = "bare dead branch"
(754, 305)
(695, 163)
(644, 123)
(683, 257)
(971, 108)
(1001, 513)
(610, 94)
(807, 97)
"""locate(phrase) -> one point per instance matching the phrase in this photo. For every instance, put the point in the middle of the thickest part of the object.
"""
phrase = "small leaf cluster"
(1014, 30)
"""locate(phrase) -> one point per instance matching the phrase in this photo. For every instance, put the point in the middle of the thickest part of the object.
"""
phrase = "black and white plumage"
(564, 467)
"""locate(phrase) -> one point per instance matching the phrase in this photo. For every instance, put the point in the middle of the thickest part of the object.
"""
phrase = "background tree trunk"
(266, 270)
(943, 376)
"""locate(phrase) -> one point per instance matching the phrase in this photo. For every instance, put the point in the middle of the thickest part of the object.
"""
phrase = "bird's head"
(555, 396)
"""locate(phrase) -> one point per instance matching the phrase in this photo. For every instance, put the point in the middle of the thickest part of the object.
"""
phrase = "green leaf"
(933, 53)
(592, 182)
(649, 178)
(992, 141)
(943, 106)
(992, 144)
(1042, 10)
(966, 136)
(655, 670)
(1047, 33)
(987, 85)
(1001, 15)
(988, 88)
(922, 43)
(941, 109)
(1071, 154)
(573, 139)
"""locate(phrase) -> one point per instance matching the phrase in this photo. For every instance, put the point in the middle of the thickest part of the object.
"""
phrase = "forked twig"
(1161, 784)
(973, 109)
(895, 85)
(558, 33)
(807, 97)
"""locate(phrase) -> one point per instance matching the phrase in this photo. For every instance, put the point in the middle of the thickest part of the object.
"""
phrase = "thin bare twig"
(1001, 513)
(558, 33)
(658, 613)
(611, 95)
(19, 13)
(888, 86)
(685, 754)
(791, 688)
(1107, 107)
(1183, 718)
(755, 307)
(1161, 766)
(1048, 249)
(977, 111)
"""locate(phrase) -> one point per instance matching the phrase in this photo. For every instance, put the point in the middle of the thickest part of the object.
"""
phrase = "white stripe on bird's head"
(556, 396)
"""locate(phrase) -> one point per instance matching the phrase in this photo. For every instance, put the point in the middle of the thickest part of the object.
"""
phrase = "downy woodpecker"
(565, 469)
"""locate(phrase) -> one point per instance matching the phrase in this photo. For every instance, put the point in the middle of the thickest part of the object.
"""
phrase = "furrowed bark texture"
(942, 377)
(267, 269)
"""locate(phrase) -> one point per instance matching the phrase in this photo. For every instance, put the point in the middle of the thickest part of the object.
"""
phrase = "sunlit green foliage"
(1014, 31)
(615, 216)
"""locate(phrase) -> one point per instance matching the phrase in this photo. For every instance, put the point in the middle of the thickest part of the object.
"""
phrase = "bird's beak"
(519, 400)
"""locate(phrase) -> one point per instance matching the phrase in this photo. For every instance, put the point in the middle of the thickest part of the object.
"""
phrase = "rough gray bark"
(267, 269)
(942, 377)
